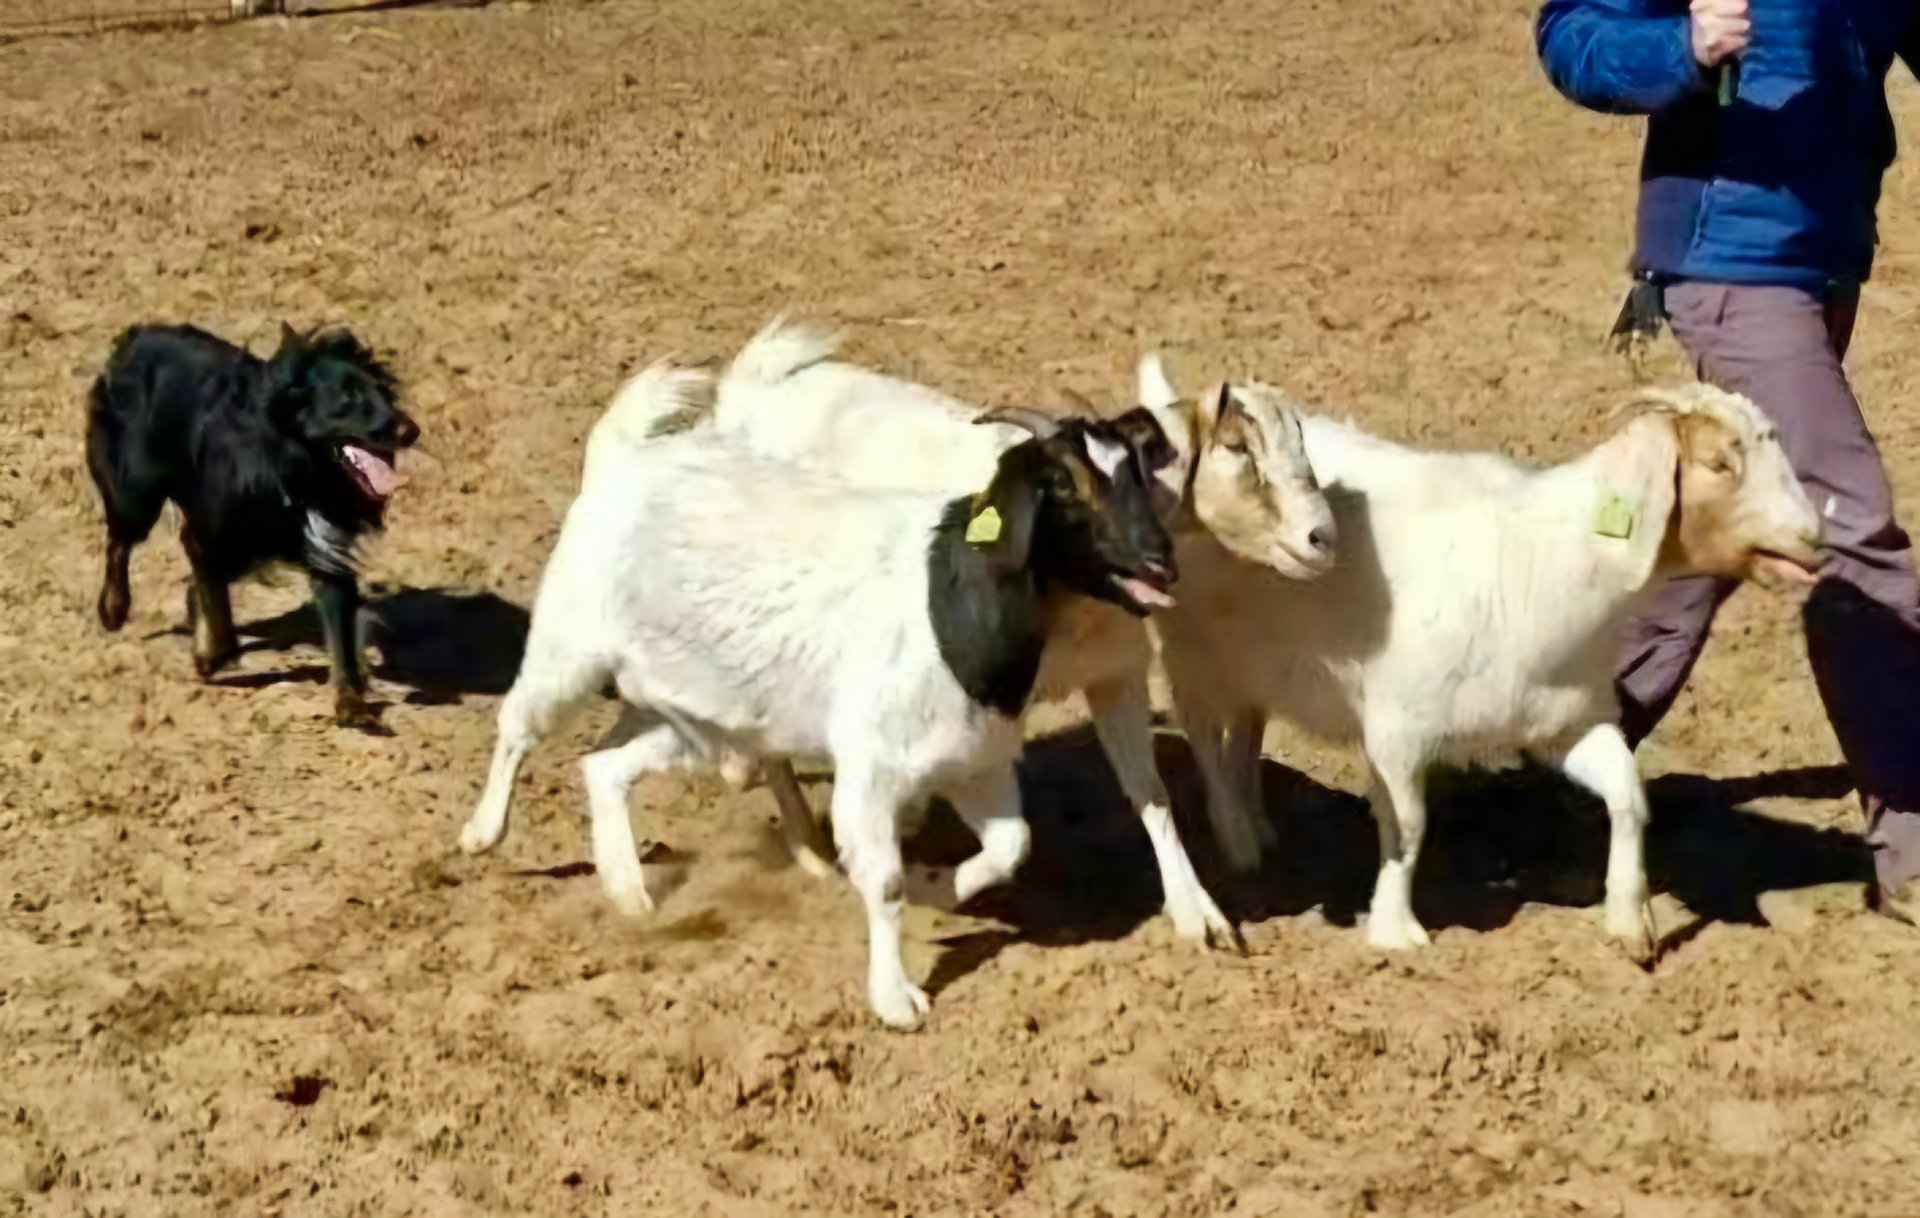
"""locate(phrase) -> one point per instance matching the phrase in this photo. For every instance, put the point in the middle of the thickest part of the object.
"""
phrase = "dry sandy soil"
(211, 894)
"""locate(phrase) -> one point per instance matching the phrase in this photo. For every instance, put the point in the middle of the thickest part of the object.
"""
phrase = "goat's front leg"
(1227, 751)
(990, 806)
(1123, 721)
(1602, 762)
(1399, 804)
(865, 815)
(338, 599)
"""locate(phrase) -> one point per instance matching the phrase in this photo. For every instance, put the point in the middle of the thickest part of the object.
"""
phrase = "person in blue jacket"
(1767, 138)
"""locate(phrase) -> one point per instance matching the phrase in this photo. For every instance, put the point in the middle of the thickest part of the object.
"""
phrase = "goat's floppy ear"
(1004, 515)
(1223, 419)
(1638, 493)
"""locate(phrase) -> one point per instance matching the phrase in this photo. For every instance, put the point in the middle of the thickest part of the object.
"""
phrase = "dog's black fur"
(254, 453)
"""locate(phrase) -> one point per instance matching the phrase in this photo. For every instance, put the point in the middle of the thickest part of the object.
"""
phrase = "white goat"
(746, 607)
(1236, 467)
(1472, 618)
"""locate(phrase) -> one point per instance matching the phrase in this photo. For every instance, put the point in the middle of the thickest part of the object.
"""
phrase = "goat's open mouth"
(372, 472)
(1809, 559)
(1144, 588)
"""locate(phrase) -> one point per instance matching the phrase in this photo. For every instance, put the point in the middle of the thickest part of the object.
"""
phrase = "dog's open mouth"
(1145, 589)
(372, 472)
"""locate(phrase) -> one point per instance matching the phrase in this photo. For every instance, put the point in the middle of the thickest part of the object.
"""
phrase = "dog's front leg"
(338, 599)
(209, 614)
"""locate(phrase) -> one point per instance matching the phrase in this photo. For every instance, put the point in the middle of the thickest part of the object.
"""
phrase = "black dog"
(286, 460)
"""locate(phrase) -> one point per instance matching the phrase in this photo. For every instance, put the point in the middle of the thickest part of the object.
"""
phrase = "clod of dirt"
(304, 1091)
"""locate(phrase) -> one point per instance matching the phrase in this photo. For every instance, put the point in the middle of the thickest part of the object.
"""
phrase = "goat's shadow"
(440, 643)
(1495, 842)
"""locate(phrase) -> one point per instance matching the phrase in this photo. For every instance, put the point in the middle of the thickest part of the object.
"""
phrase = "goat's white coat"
(786, 396)
(743, 605)
(1471, 617)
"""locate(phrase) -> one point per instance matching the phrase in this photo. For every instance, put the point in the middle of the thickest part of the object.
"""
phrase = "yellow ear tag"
(984, 529)
(1615, 518)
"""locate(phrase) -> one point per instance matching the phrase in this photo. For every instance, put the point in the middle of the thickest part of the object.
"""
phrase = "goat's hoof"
(633, 900)
(478, 839)
(1205, 925)
(1636, 934)
(1403, 935)
(809, 861)
(901, 1005)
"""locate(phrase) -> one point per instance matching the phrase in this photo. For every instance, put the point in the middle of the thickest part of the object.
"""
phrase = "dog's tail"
(662, 399)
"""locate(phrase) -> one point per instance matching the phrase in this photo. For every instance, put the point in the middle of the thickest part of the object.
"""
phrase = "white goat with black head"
(744, 606)
(1228, 471)
(1472, 618)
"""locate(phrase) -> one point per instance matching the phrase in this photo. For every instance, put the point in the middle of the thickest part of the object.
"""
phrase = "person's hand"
(1720, 30)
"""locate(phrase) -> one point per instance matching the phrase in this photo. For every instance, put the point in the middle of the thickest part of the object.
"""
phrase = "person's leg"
(1658, 646)
(1783, 349)
(1667, 629)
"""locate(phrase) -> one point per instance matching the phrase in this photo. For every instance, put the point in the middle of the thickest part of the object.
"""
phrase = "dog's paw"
(112, 608)
(212, 662)
(352, 711)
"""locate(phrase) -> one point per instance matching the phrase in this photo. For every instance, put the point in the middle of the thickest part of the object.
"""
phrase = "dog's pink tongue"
(375, 472)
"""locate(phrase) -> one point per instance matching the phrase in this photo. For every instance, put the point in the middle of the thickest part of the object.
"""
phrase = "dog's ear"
(291, 343)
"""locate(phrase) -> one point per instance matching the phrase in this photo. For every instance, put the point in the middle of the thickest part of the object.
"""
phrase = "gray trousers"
(1782, 348)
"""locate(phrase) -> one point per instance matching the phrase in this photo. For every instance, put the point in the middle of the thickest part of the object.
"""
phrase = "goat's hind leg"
(547, 691)
(797, 822)
(650, 746)
(1602, 762)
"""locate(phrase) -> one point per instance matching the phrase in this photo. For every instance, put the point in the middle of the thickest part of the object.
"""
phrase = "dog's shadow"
(1495, 842)
(442, 644)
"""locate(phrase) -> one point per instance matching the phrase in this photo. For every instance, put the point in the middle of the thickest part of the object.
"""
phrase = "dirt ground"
(242, 973)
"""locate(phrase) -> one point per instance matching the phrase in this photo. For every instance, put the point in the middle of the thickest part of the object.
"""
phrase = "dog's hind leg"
(338, 599)
(116, 595)
(209, 611)
(132, 509)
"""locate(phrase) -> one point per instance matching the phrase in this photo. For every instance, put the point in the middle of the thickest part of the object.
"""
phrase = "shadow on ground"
(1495, 842)
(441, 643)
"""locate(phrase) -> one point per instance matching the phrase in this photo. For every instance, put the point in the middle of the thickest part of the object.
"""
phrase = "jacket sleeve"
(1619, 56)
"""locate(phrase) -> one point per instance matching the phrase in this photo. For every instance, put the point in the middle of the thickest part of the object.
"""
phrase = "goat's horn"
(1041, 425)
(1079, 401)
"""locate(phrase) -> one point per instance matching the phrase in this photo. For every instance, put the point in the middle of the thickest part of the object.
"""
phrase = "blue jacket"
(1778, 187)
